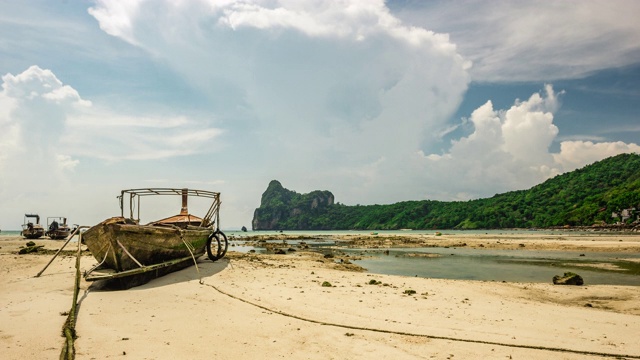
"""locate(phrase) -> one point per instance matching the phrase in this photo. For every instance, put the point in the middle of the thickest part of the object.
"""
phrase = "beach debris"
(374, 282)
(568, 278)
(409, 292)
(30, 249)
(326, 284)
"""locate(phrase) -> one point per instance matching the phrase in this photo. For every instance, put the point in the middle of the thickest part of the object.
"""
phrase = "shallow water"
(481, 264)
(501, 265)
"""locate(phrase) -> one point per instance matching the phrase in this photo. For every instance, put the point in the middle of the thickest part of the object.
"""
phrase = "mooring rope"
(69, 328)
(191, 248)
(435, 337)
(127, 252)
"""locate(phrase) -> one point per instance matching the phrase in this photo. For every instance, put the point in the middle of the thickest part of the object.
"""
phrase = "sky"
(375, 101)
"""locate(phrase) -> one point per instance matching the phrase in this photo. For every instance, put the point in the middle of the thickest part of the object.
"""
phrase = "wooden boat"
(123, 247)
(31, 230)
(58, 228)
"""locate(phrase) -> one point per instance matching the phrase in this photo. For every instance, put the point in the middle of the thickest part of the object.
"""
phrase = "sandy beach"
(304, 306)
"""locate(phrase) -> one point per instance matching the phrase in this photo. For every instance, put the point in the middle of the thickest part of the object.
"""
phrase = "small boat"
(31, 230)
(124, 248)
(58, 228)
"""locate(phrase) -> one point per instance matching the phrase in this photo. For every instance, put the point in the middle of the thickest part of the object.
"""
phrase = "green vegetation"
(582, 197)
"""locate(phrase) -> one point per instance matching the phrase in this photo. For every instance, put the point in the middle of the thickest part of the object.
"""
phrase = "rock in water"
(568, 278)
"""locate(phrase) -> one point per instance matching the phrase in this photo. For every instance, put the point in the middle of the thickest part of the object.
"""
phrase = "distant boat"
(125, 248)
(31, 230)
(58, 228)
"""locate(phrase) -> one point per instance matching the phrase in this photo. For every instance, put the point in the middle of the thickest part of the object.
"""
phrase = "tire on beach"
(218, 249)
(224, 245)
(213, 247)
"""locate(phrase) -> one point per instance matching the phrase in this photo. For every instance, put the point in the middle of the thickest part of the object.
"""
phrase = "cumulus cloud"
(510, 150)
(341, 90)
(575, 154)
(49, 131)
(43, 117)
(37, 106)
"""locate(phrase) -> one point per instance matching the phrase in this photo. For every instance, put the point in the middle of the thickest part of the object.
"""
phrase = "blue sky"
(375, 101)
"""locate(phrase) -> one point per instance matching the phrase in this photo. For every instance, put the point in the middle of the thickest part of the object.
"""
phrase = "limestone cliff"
(283, 209)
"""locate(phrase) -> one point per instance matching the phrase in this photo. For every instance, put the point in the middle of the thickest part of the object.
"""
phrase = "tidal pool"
(501, 265)
(596, 268)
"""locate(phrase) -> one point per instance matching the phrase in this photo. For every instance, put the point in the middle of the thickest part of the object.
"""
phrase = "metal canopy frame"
(212, 216)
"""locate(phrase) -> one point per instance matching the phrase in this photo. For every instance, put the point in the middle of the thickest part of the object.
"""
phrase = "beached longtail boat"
(31, 230)
(123, 247)
(58, 228)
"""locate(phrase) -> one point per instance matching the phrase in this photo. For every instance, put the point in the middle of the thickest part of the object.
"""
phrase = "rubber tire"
(213, 253)
(224, 245)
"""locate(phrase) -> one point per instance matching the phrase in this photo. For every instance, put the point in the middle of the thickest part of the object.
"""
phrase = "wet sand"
(275, 306)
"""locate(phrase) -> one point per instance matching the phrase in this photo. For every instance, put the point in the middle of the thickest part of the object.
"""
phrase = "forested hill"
(582, 197)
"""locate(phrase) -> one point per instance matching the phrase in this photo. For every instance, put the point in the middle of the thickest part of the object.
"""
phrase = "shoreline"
(600, 242)
(276, 306)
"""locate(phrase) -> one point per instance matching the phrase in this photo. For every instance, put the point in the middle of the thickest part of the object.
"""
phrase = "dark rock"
(568, 278)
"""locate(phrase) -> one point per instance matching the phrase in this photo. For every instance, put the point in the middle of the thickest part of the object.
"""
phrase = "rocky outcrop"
(283, 209)
(568, 278)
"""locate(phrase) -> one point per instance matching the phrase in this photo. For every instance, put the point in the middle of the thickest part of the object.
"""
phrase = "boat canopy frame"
(32, 216)
(211, 217)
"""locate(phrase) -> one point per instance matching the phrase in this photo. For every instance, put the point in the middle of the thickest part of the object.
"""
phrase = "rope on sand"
(69, 328)
(534, 347)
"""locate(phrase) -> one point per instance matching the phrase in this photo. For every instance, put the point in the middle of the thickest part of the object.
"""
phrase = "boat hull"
(59, 234)
(121, 245)
(33, 233)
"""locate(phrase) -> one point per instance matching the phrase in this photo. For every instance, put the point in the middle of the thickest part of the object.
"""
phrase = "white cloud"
(509, 150)
(47, 128)
(65, 162)
(535, 40)
(575, 154)
(341, 90)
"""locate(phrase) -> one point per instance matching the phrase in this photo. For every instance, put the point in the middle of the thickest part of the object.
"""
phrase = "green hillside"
(583, 197)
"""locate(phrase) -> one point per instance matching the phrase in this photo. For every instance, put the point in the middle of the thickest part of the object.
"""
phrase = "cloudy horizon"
(377, 102)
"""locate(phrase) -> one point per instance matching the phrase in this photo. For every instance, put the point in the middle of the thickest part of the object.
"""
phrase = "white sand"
(274, 306)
